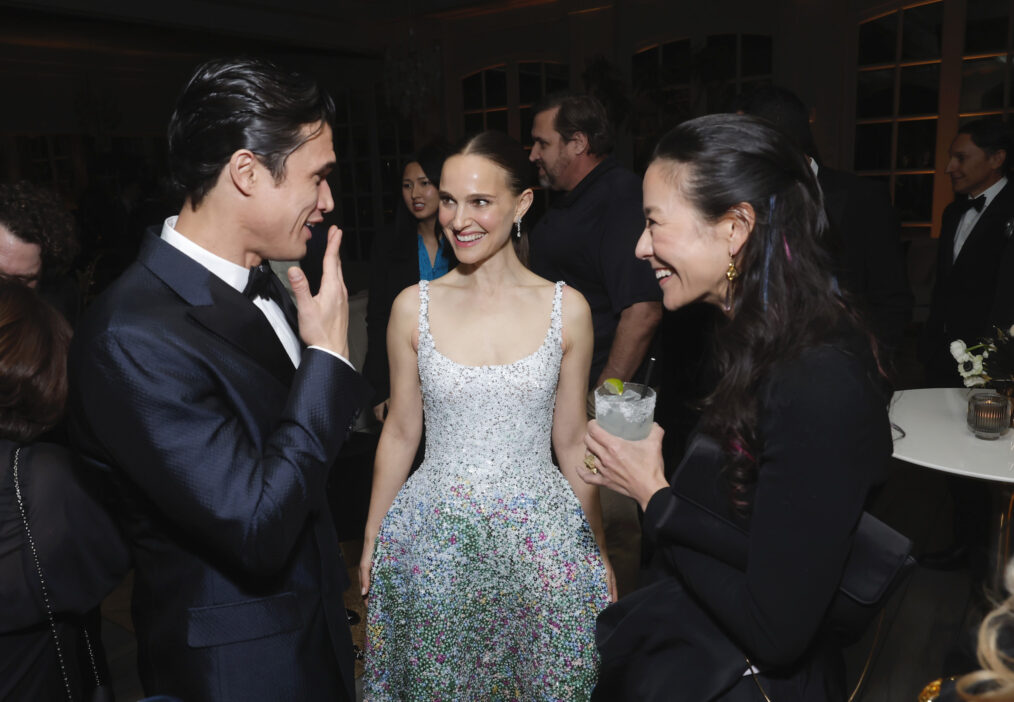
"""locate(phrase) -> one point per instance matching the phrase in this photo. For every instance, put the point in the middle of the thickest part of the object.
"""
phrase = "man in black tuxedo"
(863, 239)
(971, 295)
(975, 258)
(216, 417)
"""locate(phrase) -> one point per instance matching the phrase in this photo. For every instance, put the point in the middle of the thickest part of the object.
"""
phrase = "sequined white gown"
(486, 577)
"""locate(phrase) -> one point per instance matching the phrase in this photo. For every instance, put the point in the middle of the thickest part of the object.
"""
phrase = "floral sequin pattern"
(486, 577)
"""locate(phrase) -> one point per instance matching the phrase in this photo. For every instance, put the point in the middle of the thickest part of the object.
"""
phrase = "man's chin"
(545, 182)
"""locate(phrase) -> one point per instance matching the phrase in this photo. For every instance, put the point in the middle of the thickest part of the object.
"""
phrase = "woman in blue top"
(411, 250)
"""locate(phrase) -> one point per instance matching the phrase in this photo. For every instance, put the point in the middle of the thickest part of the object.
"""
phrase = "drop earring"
(518, 223)
(731, 273)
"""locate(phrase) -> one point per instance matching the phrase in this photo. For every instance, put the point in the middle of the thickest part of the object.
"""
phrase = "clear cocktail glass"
(628, 416)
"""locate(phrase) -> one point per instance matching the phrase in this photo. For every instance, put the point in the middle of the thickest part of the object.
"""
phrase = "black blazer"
(818, 461)
(867, 253)
(218, 450)
(82, 557)
(974, 292)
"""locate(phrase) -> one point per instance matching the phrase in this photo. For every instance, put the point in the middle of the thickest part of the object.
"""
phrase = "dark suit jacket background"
(394, 266)
(974, 292)
(82, 556)
(867, 253)
(218, 451)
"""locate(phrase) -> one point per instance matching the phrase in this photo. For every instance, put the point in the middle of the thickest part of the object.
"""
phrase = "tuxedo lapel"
(218, 308)
(982, 241)
(288, 307)
(948, 229)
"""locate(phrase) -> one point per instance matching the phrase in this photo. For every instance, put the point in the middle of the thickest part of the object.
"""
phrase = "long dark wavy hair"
(784, 300)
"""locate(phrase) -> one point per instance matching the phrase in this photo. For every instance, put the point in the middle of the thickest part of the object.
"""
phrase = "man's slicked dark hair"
(240, 103)
(991, 135)
(583, 113)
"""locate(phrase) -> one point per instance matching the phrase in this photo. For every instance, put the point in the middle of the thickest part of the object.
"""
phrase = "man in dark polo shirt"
(587, 237)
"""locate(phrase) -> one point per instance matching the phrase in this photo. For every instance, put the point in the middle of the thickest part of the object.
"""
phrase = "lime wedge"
(613, 386)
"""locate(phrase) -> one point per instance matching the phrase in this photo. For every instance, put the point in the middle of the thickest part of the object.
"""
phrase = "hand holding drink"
(624, 445)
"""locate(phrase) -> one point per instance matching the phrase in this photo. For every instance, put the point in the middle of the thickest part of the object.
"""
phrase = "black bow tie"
(263, 283)
(971, 203)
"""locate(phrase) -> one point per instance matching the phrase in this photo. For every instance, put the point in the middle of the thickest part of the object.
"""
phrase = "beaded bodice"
(485, 420)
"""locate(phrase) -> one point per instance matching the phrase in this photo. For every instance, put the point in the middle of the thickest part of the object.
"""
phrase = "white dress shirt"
(236, 276)
(969, 219)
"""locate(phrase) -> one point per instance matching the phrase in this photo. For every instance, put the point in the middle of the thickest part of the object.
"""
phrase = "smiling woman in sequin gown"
(485, 570)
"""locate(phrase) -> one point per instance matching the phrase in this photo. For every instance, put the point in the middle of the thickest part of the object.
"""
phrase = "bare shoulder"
(576, 320)
(406, 305)
(575, 307)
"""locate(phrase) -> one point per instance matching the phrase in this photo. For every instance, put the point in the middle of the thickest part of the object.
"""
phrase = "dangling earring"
(731, 273)
(518, 223)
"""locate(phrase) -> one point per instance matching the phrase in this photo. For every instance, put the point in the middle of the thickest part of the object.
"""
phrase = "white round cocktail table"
(937, 437)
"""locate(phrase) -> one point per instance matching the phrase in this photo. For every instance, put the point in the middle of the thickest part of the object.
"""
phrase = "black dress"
(82, 556)
(824, 442)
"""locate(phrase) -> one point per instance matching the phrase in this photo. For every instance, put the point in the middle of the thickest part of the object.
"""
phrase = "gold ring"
(589, 463)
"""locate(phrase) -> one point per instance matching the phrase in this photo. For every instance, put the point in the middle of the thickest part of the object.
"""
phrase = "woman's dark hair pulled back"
(512, 158)
(784, 299)
(240, 103)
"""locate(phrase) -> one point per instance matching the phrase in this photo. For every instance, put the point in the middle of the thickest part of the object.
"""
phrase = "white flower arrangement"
(993, 365)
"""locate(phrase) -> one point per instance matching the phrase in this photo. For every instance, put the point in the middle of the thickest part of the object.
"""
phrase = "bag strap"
(15, 460)
(862, 676)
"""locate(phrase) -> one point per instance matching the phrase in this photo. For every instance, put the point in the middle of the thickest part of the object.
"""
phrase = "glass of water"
(628, 416)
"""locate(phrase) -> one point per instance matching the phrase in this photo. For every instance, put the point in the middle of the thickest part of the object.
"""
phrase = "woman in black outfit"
(410, 250)
(788, 447)
(79, 550)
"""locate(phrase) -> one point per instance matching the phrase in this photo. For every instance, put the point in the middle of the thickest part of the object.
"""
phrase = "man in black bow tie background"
(974, 258)
(216, 407)
(973, 293)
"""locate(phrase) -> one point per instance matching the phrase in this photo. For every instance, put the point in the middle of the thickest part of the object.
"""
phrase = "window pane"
(471, 91)
(677, 61)
(390, 175)
(878, 40)
(341, 140)
(348, 213)
(529, 82)
(913, 197)
(496, 87)
(387, 144)
(364, 210)
(873, 147)
(644, 69)
(345, 174)
(362, 174)
(557, 77)
(875, 93)
(917, 143)
(720, 57)
(527, 117)
(675, 105)
(985, 26)
(982, 84)
(360, 141)
(756, 55)
(497, 120)
(920, 90)
(473, 123)
(920, 37)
